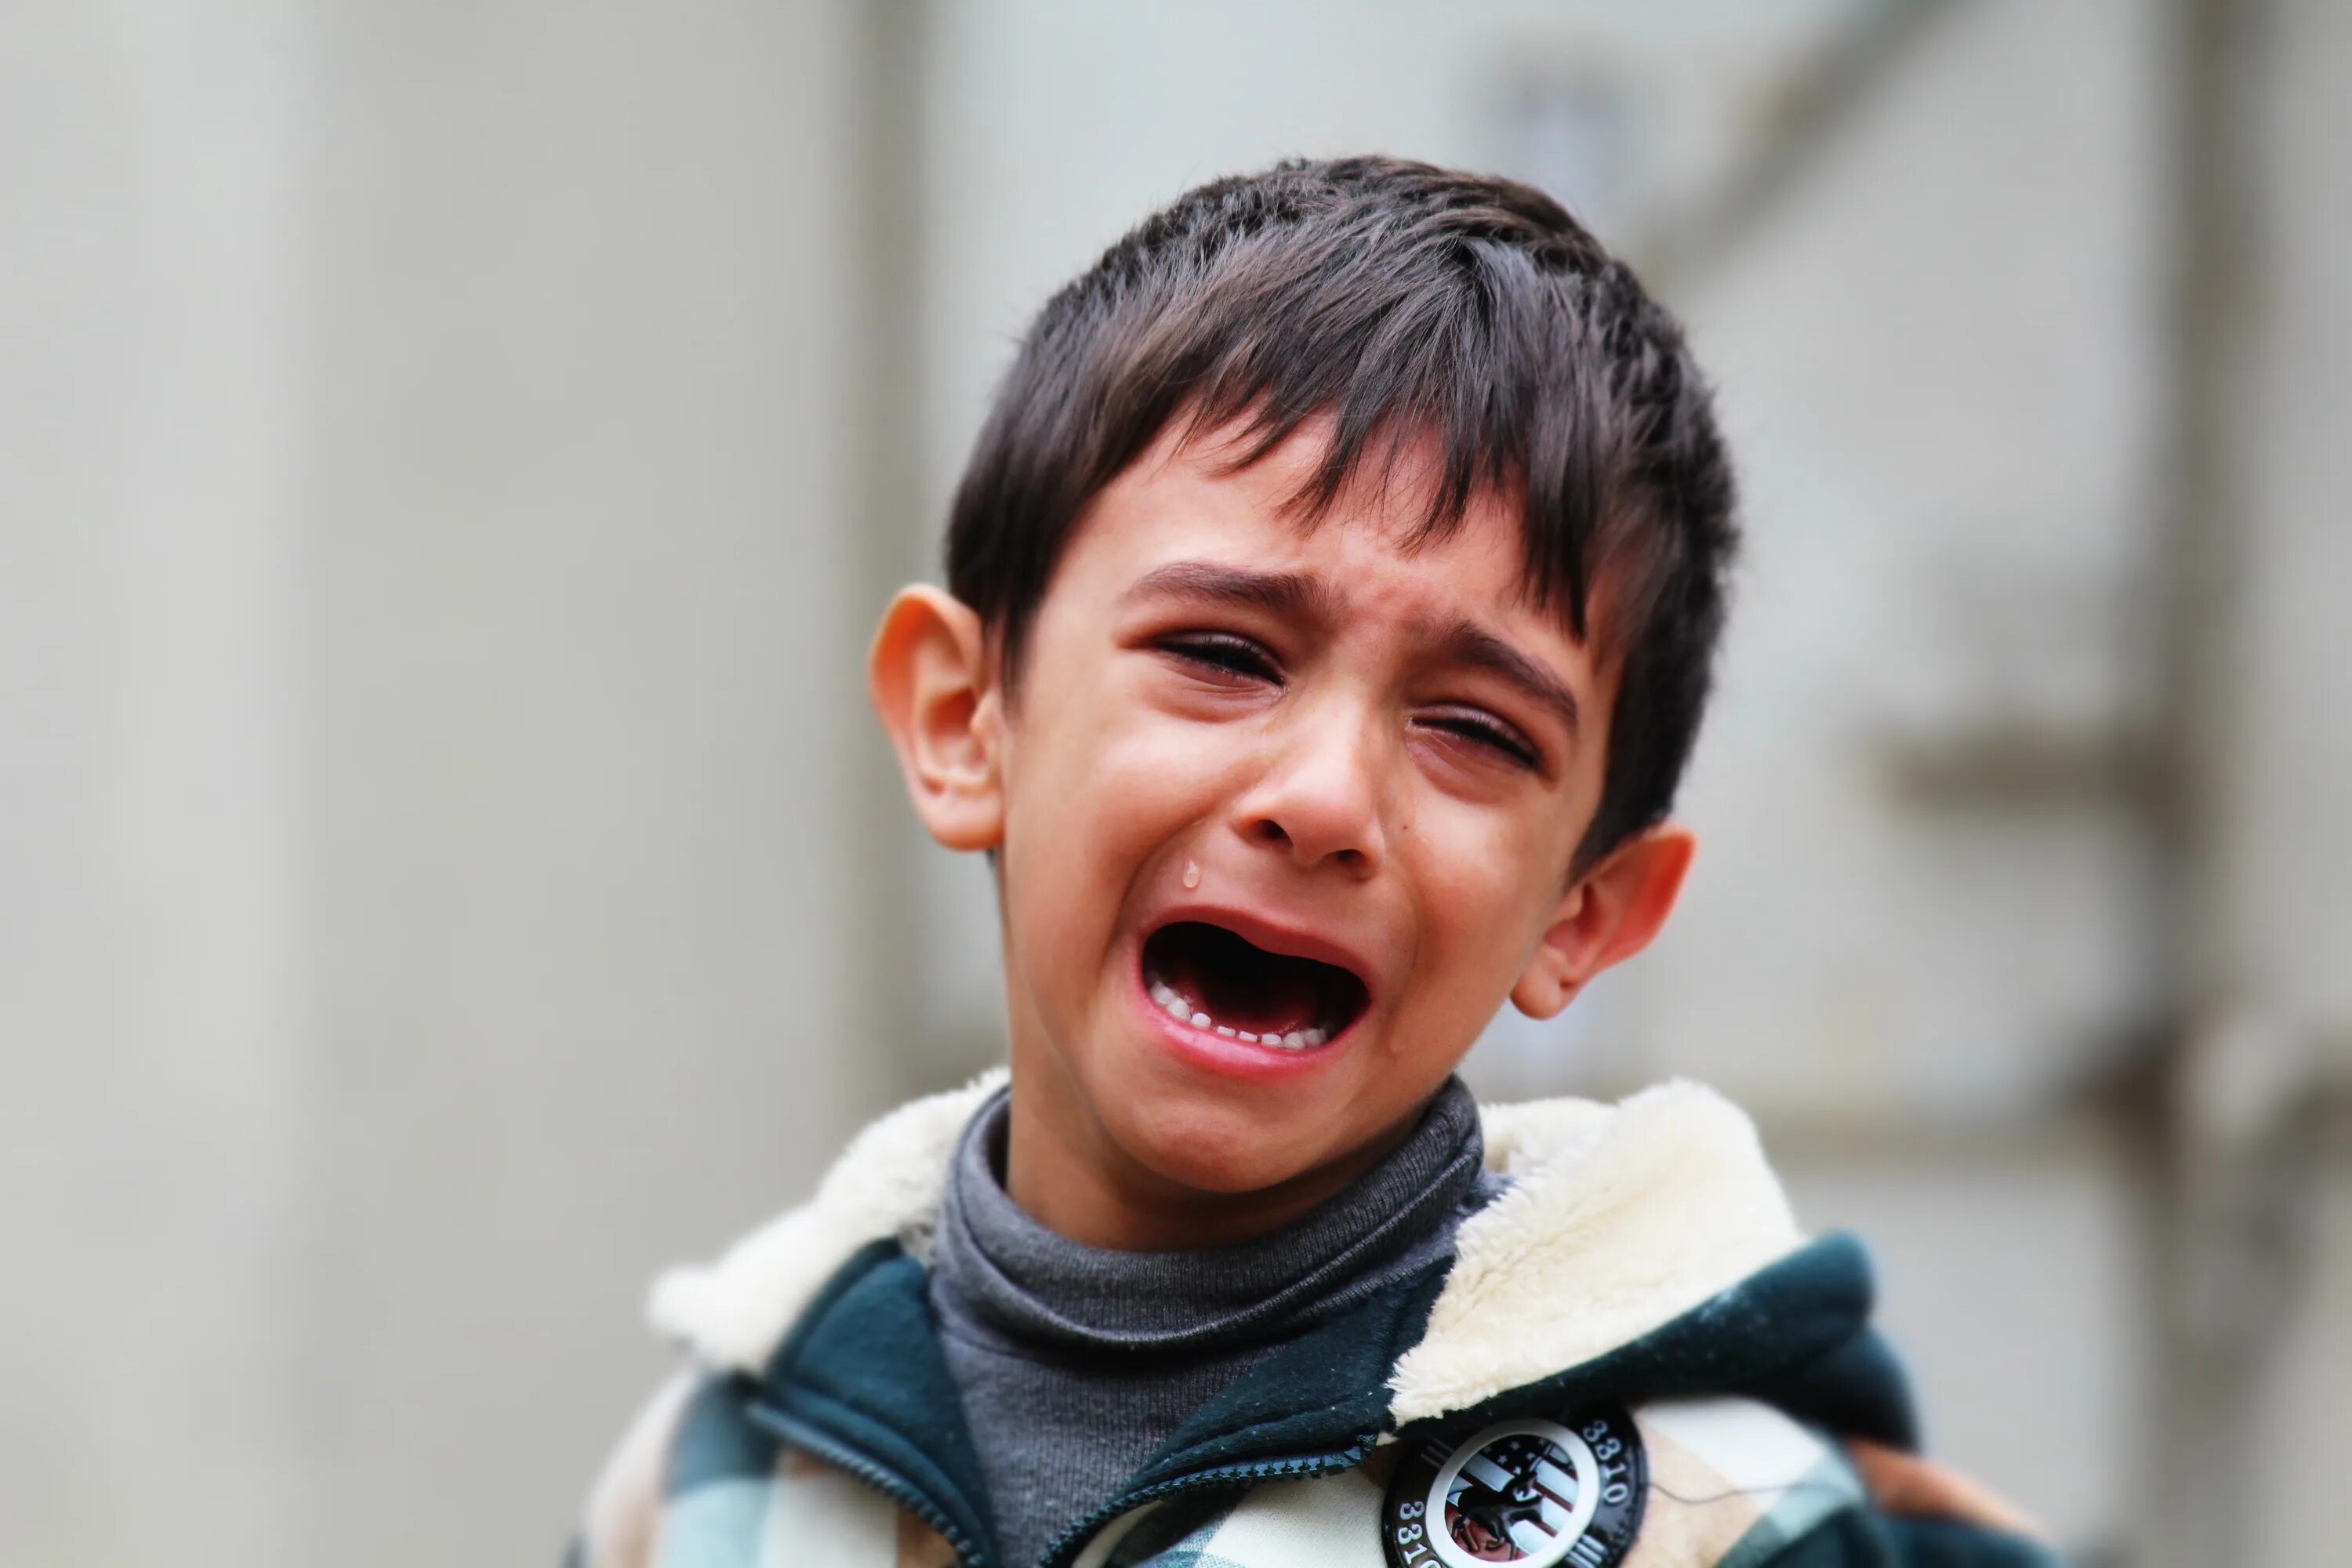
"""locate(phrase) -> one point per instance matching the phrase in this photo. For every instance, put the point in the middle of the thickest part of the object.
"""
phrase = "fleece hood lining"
(1618, 1219)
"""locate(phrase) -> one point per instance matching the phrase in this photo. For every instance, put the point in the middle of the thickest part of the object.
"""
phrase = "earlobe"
(1614, 912)
(930, 681)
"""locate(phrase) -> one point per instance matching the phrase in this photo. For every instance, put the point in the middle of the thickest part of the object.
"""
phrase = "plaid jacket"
(1633, 1358)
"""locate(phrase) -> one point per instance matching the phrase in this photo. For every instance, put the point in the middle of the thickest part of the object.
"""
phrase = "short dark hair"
(1404, 302)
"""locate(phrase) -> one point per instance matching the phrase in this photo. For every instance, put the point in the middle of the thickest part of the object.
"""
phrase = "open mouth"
(1207, 977)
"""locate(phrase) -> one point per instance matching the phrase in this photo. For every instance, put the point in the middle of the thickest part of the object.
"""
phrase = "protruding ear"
(1610, 914)
(932, 684)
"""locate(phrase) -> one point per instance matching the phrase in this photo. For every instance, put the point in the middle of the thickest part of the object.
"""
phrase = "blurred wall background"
(450, 457)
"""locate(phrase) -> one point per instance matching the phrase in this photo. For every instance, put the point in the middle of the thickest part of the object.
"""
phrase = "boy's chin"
(1220, 1147)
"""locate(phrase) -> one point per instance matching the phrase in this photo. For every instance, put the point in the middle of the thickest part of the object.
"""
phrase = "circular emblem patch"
(1530, 1492)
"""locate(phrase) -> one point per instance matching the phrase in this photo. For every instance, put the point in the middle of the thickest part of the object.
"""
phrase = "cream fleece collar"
(1619, 1218)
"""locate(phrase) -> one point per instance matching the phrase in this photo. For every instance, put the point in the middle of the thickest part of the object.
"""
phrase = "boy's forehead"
(1194, 490)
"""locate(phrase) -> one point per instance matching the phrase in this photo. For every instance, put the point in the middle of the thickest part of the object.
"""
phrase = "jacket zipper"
(873, 1473)
(1073, 1540)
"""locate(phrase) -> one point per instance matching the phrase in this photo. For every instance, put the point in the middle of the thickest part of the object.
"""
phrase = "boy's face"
(1296, 784)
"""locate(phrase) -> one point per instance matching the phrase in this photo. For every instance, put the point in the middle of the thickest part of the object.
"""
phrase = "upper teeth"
(1179, 1007)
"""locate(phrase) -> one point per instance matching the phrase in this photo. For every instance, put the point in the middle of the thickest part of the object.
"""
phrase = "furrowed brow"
(1472, 645)
(1290, 594)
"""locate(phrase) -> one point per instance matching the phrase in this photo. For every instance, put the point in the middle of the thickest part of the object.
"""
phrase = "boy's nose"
(1319, 802)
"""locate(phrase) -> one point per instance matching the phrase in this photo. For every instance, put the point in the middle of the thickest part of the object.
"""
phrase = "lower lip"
(1217, 1052)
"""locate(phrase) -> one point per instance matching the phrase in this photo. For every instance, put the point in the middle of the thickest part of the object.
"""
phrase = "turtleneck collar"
(1031, 1286)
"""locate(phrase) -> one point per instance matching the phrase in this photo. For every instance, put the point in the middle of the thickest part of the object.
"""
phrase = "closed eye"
(1485, 730)
(1223, 653)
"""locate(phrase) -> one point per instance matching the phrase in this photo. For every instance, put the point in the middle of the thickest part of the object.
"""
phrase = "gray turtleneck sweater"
(1076, 1364)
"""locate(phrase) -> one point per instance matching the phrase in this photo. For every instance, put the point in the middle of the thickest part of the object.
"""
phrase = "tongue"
(1246, 986)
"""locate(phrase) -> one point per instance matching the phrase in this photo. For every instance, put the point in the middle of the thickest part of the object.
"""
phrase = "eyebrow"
(1294, 594)
(1472, 644)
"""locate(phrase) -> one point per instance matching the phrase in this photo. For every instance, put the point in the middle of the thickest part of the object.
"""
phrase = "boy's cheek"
(1081, 832)
(1485, 893)
(1116, 788)
(1482, 875)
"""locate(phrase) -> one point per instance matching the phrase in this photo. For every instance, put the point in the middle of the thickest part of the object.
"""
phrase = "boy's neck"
(1065, 1171)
